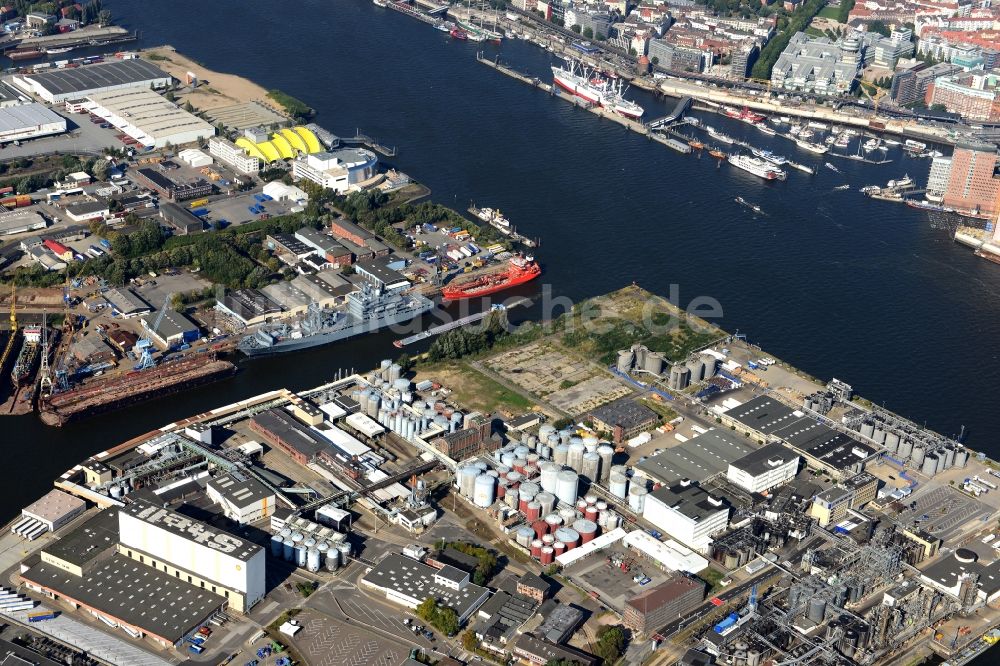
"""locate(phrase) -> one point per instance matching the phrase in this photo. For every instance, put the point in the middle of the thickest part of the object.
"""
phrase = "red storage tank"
(548, 554)
(533, 511)
(587, 529)
(559, 547)
(501, 490)
(536, 548)
(548, 539)
(541, 528)
(591, 513)
(523, 505)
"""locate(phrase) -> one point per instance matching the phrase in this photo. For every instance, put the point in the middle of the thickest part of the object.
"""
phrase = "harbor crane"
(13, 327)
(144, 345)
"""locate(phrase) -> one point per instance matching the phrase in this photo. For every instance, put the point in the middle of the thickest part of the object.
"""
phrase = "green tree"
(938, 107)
(655, 60)
(100, 169)
(469, 641)
(575, 28)
(610, 644)
(880, 27)
(588, 32)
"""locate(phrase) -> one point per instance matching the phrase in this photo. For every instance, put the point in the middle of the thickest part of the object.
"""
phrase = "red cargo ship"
(521, 270)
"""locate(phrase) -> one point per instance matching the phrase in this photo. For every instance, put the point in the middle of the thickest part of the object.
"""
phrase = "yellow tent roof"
(271, 153)
(294, 139)
(251, 148)
(284, 148)
(312, 143)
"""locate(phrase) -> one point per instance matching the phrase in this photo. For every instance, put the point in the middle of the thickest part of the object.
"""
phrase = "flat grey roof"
(698, 459)
(192, 530)
(379, 269)
(125, 301)
(451, 573)
(240, 491)
(173, 323)
(94, 77)
(691, 501)
(290, 431)
(805, 433)
(624, 412)
(27, 115)
(88, 540)
(947, 570)
(134, 593)
(758, 461)
(416, 579)
(85, 207)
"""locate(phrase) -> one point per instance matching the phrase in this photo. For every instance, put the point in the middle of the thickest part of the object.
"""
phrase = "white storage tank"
(618, 484)
(528, 490)
(547, 501)
(288, 550)
(549, 475)
(559, 454)
(483, 492)
(312, 560)
(524, 536)
(591, 466)
(467, 479)
(637, 498)
(574, 456)
(607, 454)
(567, 486)
(300, 555)
(332, 558)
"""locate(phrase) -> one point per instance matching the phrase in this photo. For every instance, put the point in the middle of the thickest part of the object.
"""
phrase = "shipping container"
(41, 616)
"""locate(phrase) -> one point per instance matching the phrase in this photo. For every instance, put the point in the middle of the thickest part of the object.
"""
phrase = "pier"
(458, 323)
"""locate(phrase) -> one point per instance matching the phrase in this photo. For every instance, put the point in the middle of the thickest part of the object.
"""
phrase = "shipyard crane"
(13, 326)
(145, 344)
(44, 374)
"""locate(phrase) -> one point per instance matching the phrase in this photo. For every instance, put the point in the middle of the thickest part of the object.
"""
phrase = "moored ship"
(368, 310)
(595, 88)
(28, 356)
(757, 167)
(520, 271)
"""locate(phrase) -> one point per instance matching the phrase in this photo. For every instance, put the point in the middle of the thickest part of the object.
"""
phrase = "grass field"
(829, 12)
(474, 390)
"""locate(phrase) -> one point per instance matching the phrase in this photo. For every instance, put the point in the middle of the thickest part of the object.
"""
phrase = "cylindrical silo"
(540, 527)
(942, 457)
(467, 479)
(288, 550)
(519, 464)
(891, 441)
(574, 457)
(679, 377)
(653, 364)
(568, 536)
(558, 548)
(300, 555)
(695, 369)
(559, 454)
(547, 555)
(532, 511)
(554, 521)
(591, 513)
(568, 515)
(904, 449)
(512, 498)
(929, 468)
(332, 559)
(618, 484)
(591, 468)
(816, 609)
(483, 491)
(587, 529)
(312, 560)
(545, 430)
(607, 454)
(916, 455)
(524, 536)
(566, 486)
(961, 457)
(547, 501)
(708, 364)
(345, 552)
(949, 458)
(276, 545)
(867, 429)
(536, 548)
(529, 489)
(637, 498)
(590, 443)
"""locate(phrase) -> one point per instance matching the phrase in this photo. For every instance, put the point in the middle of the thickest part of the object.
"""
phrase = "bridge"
(680, 109)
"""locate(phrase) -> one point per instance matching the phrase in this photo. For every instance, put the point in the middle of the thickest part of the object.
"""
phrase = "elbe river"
(870, 292)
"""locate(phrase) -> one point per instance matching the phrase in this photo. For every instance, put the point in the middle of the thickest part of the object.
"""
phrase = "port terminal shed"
(29, 121)
(174, 328)
(21, 221)
(55, 509)
(149, 118)
(59, 85)
(765, 419)
(700, 458)
(666, 554)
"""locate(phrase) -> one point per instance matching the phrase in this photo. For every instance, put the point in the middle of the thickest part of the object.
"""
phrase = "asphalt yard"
(326, 641)
(946, 511)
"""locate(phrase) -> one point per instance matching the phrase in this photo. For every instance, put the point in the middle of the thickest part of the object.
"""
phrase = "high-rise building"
(973, 183)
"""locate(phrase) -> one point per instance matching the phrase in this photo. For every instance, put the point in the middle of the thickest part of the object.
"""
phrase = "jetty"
(458, 323)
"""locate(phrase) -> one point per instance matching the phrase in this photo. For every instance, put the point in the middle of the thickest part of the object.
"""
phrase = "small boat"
(458, 33)
(719, 136)
(715, 152)
(754, 207)
(891, 142)
(870, 145)
(774, 159)
(901, 183)
(831, 167)
(765, 129)
(64, 49)
(841, 188)
(697, 145)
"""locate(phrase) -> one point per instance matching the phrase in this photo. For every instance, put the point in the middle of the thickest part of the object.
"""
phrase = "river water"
(871, 292)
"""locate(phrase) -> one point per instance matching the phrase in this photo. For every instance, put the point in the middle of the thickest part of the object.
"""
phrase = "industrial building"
(378, 274)
(159, 182)
(698, 459)
(764, 419)
(84, 211)
(48, 514)
(83, 569)
(687, 513)
(764, 468)
(243, 499)
(149, 118)
(226, 151)
(530, 649)
(59, 85)
(651, 609)
(125, 303)
(21, 221)
(962, 569)
(173, 328)
(340, 170)
(623, 418)
(407, 582)
(182, 547)
(248, 306)
(29, 121)
(831, 505)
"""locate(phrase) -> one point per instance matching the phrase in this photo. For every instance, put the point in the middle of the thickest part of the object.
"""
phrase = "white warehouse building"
(687, 513)
(340, 170)
(190, 550)
(149, 118)
(764, 468)
(59, 85)
(29, 121)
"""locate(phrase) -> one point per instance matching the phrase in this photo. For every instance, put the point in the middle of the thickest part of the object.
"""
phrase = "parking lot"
(157, 290)
(325, 641)
(614, 584)
(235, 209)
(82, 136)
(946, 511)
